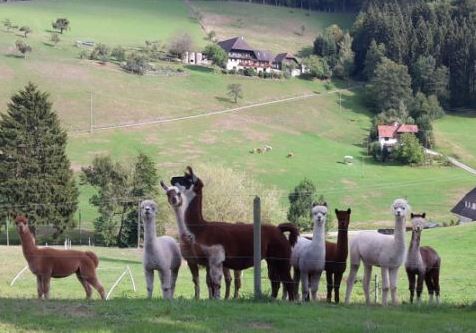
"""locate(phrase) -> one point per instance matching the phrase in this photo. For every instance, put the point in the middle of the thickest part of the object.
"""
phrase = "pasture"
(130, 311)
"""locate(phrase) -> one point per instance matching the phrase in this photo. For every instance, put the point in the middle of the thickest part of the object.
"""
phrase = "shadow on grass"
(11, 55)
(200, 69)
(119, 261)
(226, 100)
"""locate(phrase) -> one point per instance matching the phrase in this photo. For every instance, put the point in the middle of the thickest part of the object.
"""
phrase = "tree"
(23, 47)
(35, 174)
(216, 54)
(61, 24)
(374, 57)
(180, 44)
(119, 53)
(345, 63)
(235, 91)
(211, 35)
(100, 52)
(26, 30)
(390, 85)
(430, 79)
(137, 63)
(409, 150)
(300, 204)
(318, 67)
(119, 190)
(55, 38)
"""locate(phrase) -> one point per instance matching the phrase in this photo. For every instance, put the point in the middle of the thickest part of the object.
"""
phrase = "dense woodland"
(324, 5)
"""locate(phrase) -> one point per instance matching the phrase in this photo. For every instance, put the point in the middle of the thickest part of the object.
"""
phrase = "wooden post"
(79, 218)
(8, 234)
(376, 288)
(91, 115)
(257, 246)
(138, 225)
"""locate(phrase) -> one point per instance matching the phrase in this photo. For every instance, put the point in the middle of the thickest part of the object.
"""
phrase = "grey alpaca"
(160, 253)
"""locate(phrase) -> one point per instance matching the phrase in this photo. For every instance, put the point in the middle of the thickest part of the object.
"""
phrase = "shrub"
(180, 44)
(318, 67)
(250, 72)
(119, 53)
(216, 54)
(409, 150)
(137, 64)
(83, 54)
(100, 52)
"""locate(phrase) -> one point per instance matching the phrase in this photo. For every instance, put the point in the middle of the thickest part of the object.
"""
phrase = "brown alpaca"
(46, 263)
(231, 245)
(422, 264)
(336, 255)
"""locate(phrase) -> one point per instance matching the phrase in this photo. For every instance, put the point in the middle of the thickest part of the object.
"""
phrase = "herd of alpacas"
(221, 247)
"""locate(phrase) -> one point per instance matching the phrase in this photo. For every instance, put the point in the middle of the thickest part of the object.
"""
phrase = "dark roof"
(264, 55)
(282, 56)
(237, 43)
(467, 206)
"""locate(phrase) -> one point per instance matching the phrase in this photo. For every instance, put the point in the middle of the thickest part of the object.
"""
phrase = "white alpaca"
(308, 257)
(160, 253)
(375, 249)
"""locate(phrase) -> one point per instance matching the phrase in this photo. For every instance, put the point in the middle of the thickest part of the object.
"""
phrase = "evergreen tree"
(300, 203)
(373, 58)
(35, 174)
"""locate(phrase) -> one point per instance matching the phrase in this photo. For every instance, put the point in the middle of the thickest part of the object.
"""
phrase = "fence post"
(8, 235)
(79, 217)
(376, 288)
(257, 246)
(138, 225)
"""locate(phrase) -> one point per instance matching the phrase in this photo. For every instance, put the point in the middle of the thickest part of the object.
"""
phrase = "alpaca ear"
(164, 186)
(324, 204)
(189, 172)
(349, 211)
(314, 204)
(336, 211)
(412, 215)
(423, 215)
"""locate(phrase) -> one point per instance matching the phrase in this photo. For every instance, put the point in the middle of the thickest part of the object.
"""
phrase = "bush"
(83, 54)
(100, 52)
(137, 64)
(409, 150)
(250, 72)
(180, 44)
(318, 67)
(216, 54)
(119, 53)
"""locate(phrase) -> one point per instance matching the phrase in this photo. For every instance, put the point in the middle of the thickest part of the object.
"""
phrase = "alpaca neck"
(28, 244)
(180, 218)
(414, 250)
(399, 234)
(342, 244)
(193, 215)
(150, 233)
(318, 235)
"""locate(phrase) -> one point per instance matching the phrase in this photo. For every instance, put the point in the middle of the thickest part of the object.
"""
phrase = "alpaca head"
(148, 209)
(189, 185)
(343, 218)
(319, 213)
(174, 197)
(418, 222)
(21, 223)
(400, 208)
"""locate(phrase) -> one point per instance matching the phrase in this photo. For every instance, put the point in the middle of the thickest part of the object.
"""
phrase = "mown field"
(319, 131)
(127, 311)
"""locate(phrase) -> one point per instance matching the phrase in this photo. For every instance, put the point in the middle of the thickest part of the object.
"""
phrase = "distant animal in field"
(47, 263)
(161, 254)
(422, 264)
(386, 251)
(336, 255)
(290, 155)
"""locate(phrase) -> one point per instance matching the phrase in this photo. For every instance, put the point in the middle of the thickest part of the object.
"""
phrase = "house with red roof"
(389, 135)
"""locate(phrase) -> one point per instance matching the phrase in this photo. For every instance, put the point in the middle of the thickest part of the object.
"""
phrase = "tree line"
(322, 5)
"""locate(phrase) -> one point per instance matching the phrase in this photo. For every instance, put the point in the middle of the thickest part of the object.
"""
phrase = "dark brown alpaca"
(336, 255)
(46, 263)
(231, 245)
(422, 264)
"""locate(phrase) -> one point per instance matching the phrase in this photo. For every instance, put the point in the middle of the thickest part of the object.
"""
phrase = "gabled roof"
(282, 56)
(467, 206)
(264, 55)
(237, 43)
(389, 131)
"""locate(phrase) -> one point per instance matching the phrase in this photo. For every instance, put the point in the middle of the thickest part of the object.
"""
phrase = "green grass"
(271, 28)
(455, 135)
(129, 311)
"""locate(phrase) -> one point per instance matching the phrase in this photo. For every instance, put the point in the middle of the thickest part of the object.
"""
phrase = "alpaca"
(160, 253)
(422, 262)
(46, 263)
(308, 257)
(336, 255)
(386, 251)
(192, 252)
(230, 245)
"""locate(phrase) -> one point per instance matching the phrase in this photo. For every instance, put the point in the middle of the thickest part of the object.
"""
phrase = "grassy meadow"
(128, 311)
(319, 131)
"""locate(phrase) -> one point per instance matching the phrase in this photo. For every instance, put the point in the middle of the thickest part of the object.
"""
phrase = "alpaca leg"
(166, 283)
(237, 276)
(411, 285)
(195, 278)
(436, 283)
(419, 286)
(337, 281)
(149, 280)
(87, 288)
(366, 282)
(173, 281)
(39, 286)
(429, 285)
(98, 286)
(393, 274)
(385, 285)
(350, 282)
(227, 277)
(330, 285)
(273, 276)
(208, 280)
(284, 276)
(315, 278)
(305, 286)
(46, 287)
(296, 279)
(216, 272)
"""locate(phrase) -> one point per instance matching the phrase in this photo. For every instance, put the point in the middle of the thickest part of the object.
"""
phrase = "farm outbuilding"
(465, 210)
